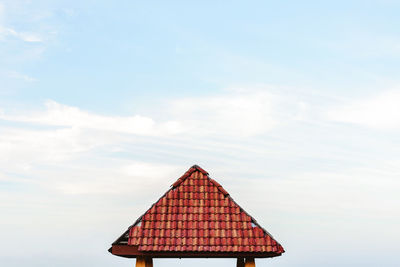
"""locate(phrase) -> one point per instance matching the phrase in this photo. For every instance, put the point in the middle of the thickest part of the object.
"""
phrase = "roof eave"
(133, 252)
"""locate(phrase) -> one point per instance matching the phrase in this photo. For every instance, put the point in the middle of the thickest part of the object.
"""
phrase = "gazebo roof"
(196, 217)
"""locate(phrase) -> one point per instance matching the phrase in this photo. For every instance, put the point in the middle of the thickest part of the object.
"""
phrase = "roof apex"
(197, 167)
(188, 173)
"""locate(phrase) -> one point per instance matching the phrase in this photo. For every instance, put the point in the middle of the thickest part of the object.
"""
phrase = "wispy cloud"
(57, 114)
(232, 113)
(21, 76)
(42, 155)
(124, 177)
(29, 37)
(237, 113)
(60, 133)
(23, 149)
(381, 111)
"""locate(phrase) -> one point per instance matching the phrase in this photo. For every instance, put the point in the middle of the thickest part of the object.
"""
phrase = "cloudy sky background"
(292, 106)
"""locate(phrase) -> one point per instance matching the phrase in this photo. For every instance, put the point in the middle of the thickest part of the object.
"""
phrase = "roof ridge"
(188, 173)
(219, 187)
(197, 167)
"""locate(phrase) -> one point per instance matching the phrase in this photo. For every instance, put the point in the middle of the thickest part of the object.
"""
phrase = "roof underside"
(196, 218)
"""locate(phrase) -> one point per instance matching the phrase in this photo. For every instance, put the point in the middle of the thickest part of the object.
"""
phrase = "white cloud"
(381, 111)
(6, 31)
(24, 77)
(29, 37)
(145, 170)
(57, 159)
(236, 113)
(124, 177)
(20, 149)
(61, 134)
(233, 113)
(62, 115)
(369, 191)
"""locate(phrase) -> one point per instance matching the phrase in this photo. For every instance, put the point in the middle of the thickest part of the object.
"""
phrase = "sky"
(293, 106)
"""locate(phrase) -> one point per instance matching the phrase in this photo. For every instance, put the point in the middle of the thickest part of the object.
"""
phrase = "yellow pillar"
(140, 261)
(240, 262)
(250, 262)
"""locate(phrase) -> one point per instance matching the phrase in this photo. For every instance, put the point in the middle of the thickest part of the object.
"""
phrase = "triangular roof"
(196, 217)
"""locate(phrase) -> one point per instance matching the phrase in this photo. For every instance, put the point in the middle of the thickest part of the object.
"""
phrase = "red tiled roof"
(198, 215)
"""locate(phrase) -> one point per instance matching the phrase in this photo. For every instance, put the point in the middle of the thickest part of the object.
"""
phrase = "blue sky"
(292, 106)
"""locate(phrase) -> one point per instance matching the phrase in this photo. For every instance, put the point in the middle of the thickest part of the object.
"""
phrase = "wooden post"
(250, 262)
(140, 261)
(149, 262)
(144, 261)
(240, 262)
